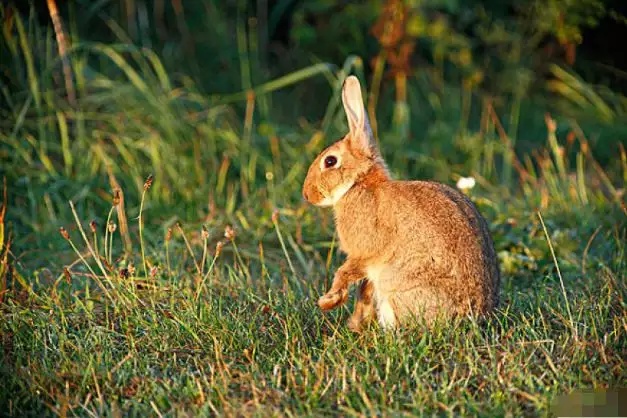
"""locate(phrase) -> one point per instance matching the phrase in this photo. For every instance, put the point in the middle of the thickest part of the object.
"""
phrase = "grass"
(249, 340)
(193, 292)
(236, 330)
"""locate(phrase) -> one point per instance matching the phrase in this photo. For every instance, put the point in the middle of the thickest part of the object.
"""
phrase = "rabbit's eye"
(330, 161)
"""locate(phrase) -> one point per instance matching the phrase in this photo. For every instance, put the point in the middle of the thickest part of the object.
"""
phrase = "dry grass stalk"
(63, 47)
(122, 220)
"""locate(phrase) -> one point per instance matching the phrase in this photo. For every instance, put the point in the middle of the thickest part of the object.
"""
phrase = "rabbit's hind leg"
(421, 303)
(364, 307)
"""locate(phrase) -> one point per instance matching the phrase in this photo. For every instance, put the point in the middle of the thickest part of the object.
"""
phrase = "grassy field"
(157, 258)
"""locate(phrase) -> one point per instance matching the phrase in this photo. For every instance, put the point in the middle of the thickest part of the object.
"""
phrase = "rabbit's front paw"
(333, 299)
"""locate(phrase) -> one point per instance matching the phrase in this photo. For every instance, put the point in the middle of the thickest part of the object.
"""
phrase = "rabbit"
(419, 248)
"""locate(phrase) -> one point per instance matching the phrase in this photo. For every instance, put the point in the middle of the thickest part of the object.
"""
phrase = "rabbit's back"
(440, 247)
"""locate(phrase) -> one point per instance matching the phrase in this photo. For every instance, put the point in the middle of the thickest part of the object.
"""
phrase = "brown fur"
(422, 247)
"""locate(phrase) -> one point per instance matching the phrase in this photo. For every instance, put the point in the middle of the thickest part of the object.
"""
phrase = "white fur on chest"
(335, 195)
(378, 274)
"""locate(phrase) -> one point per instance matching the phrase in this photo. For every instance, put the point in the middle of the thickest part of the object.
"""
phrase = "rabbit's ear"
(361, 138)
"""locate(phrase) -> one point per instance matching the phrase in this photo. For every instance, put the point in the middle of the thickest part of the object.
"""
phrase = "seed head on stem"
(147, 185)
(204, 233)
(64, 233)
(550, 123)
(229, 233)
(94, 228)
(148, 182)
(68, 276)
(219, 246)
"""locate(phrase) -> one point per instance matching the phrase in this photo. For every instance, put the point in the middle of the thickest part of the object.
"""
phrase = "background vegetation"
(186, 272)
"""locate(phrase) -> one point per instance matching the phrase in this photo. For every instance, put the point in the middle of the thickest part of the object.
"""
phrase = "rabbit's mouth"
(332, 198)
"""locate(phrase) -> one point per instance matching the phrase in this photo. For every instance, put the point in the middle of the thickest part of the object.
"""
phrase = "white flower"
(466, 183)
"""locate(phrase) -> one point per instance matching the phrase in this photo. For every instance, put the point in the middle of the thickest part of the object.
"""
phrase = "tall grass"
(246, 338)
(195, 293)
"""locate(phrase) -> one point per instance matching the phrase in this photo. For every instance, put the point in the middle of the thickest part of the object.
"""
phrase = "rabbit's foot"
(355, 324)
(361, 318)
(332, 299)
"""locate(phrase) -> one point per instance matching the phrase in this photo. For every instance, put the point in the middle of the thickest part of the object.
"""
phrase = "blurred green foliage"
(502, 51)
(164, 86)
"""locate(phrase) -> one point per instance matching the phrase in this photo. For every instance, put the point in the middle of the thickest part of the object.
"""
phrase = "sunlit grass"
(247, 337)
(243, 335)
(195, 292)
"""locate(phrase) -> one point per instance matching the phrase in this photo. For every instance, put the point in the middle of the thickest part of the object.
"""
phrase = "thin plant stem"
(189, 248)
(559, 274)
(167, 257)
(205, 277)
(205, 237)
(141, 233)
(100, 284)
(373, 96)
(63, 48)
(106, 238)
(110, 248)
(89, 247)
(96, 245)
(240, 260)
(287, 256)
(328, 264)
